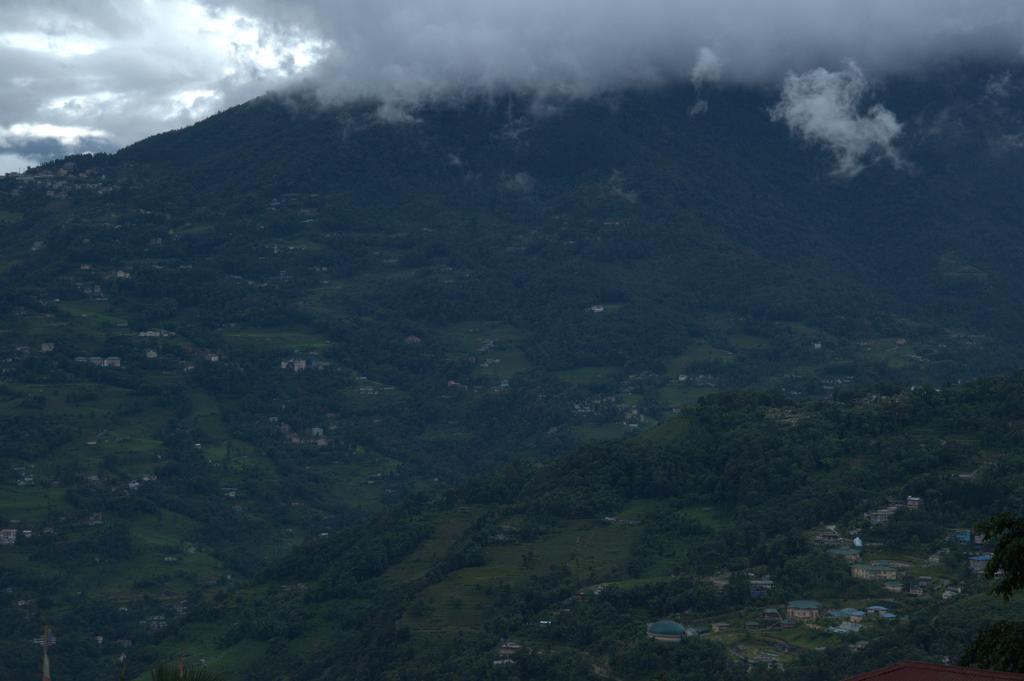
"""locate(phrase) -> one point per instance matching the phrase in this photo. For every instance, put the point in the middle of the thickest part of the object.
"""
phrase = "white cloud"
(1013, 141)
(58, 45)
(411, 50)
(109, 72)
(85, 106)
(617, 187)
(825, 107)
(520, 183)
(65, 134)
(699, 107)
(392, 112)
(130, 68)
(708, 68)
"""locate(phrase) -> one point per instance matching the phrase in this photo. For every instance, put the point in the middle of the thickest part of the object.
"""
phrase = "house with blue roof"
(962, 536)
(851, 614)
(979, 563)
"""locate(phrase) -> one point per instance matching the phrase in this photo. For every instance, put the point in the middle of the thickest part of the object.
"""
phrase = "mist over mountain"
(410, 51)
(112, 72)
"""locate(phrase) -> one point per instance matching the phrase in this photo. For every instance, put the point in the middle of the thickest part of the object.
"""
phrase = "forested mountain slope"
(230, 339)
(744, 503)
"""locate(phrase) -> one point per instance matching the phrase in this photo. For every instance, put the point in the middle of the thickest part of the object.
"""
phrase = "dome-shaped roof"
(666, 628)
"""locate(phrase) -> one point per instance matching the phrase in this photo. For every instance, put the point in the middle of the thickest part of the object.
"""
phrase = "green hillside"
(270, 328)
(570, 560)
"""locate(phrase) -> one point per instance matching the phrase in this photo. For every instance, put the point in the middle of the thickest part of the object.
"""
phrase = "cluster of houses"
(773, 618)
(963, 536)
(134, 484)
(311, 436)
(595, 405)
(851, 620)
(829, 537)
(892, 574)
(632, 417)
(110, 362)
(841, 621)
(844, 620)
(761, 586)
(699, 380)
(25, 478)
(93, 291)
(506, 651)
(9, 535)
(883, 515)
(44, 347)
(115, 361)
(98, 361)
(300, 364)
(60, 182)
(155, 622)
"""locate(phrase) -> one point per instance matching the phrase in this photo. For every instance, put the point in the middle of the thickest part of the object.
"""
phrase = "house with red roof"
(922, 671)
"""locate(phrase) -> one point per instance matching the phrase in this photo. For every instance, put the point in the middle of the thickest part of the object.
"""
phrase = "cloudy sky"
(99, 74)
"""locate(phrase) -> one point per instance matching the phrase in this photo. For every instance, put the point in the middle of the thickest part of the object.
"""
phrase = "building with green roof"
(803, 611)
(666, 630)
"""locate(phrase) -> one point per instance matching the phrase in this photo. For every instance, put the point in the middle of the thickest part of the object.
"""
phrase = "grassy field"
(699, 351)
(30, 505)
(588, 548)
(594, 551)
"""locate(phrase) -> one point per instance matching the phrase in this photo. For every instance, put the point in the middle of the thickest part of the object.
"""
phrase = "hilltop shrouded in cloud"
(410, 49)
(126, 69)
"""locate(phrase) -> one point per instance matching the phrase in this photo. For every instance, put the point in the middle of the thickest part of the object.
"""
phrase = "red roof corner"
(922, 671)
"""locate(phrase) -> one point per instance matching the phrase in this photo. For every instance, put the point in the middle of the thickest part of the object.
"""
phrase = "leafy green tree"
(1008, 557)
(1000, 645)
